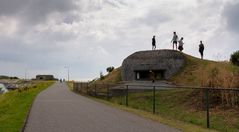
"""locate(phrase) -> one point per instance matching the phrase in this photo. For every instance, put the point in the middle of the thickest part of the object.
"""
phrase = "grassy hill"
(111, 78)
(199, 72)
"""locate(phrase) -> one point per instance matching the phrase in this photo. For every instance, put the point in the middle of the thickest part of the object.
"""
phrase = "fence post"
(126, 98)
(81, 88)
(207, 106)
(74, 87)
(95, 91)
(87, 88)
(108, 98)
(154, 100)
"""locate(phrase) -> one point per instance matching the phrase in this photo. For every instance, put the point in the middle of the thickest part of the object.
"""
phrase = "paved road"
(59, 110)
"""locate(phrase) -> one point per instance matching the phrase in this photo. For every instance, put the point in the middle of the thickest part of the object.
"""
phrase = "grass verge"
(15, 105)
(175, 105)
(186, 127)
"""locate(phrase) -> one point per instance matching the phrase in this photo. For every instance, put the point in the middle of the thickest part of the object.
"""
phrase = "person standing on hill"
(201, 49)
(153, 43)
(180, 44)
(174, 40)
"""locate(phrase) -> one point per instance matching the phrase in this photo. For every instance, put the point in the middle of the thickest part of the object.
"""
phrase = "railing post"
(87, 88)
(207, 106)
(126, 97)
(74, 87)
(95, 91)
(108, 98)
(81, 87)
(154, 100)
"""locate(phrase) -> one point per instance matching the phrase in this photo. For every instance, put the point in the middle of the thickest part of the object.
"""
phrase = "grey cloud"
(12, 7)
(38, 10)
(34, 11)
(153, 19)
(115, 3)
(231, 13)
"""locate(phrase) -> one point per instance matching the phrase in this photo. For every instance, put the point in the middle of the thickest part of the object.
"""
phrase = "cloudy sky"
(45, 36)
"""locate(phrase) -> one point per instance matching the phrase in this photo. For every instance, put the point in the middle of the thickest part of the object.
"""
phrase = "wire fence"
(204, 98)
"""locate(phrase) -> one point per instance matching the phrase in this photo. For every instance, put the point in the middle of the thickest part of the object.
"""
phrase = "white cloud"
(8, 26)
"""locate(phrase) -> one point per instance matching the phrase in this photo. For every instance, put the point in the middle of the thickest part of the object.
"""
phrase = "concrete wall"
(169, 60)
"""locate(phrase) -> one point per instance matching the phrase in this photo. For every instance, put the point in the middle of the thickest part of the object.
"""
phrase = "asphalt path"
(57, 109)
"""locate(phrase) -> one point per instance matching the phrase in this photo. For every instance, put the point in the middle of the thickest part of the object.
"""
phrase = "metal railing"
(108, 91)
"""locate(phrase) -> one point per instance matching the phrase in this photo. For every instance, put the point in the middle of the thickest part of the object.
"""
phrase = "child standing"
(180, 44)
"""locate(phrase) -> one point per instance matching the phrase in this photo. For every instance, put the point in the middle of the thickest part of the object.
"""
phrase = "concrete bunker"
(149, 65)
(149, 74)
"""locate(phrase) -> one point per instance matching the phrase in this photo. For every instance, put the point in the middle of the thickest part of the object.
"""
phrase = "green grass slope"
(198, 72)
(111, 78)
(15, 105)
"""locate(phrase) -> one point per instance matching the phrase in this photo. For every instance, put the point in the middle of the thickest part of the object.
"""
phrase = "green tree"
(110, 69)
(235, 58)
(102, 77)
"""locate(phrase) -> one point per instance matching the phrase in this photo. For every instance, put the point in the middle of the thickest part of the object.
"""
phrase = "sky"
(87, 36)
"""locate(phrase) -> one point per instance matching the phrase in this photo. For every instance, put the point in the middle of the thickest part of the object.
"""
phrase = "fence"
(209, 95)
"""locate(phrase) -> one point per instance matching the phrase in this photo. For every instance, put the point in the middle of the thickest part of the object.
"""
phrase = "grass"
(196, 71)
(174, 105)
(15, 105)
(111, 78)
(186, 127)
(70, 85)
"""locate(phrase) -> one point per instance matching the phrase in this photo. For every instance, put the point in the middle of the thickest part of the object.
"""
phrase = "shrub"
(110, 69)
(102, 77)
(235, 58)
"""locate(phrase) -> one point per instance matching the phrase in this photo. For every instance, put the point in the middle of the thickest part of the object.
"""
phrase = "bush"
(110, 69)
(235, 58)
(102, 77)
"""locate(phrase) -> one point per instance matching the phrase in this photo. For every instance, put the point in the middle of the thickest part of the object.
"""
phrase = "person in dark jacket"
(153, 43)
(201, 49)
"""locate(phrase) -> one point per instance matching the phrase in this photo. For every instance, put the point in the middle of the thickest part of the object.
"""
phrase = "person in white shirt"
(175, 40)
(180, 44)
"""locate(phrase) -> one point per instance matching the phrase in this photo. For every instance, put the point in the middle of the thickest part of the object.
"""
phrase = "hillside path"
(57, 109)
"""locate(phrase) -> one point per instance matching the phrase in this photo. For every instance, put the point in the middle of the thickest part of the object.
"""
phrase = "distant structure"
(152, 65)
(45, 77)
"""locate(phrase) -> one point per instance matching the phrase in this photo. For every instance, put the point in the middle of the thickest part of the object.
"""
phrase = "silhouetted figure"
(175, 40)
(180, 44)
(201, 49)
(153, 43)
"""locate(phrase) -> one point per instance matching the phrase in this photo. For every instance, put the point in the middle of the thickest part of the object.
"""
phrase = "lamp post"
(25, 74)
(68, 73)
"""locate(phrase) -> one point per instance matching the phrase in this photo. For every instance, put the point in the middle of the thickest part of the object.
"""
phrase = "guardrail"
(108, 91)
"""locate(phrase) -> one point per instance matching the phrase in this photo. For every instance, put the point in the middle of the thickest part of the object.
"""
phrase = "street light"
(68, 74)
(25, 74)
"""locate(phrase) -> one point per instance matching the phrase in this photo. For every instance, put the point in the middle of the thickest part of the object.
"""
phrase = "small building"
(152, 65)
(45, 77)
